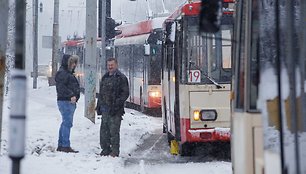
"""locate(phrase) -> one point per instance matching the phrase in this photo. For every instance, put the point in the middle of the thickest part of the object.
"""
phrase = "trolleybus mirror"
(147, 49)
(170, 32)
(210, 16)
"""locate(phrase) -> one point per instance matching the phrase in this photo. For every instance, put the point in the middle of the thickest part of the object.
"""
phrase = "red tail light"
(205, 135)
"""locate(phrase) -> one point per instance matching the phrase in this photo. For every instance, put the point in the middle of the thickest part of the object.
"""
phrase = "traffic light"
(111, 31)
(210, 17)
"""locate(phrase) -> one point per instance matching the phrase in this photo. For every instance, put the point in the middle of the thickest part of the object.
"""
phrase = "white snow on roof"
(158, 22)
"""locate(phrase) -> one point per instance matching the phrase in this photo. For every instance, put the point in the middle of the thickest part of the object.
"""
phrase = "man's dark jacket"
(114, 90)
(67, 84)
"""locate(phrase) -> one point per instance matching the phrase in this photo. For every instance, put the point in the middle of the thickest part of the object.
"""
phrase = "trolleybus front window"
(155, 66)
(209, 57)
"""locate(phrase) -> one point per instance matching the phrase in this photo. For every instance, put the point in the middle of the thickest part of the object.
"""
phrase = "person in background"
(68, 94)
(114, 90)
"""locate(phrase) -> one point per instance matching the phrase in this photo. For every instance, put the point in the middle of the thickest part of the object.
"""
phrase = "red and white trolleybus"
(138, 51)
(196, 79)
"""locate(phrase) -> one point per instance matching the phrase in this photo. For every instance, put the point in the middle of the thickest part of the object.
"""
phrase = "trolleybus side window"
(164, 63)
(124, 58)
(170, 39)
(170, 49)
(253, 60)
(155, 65)
(239, 58)
(226, 49)
(248, 56)
(138, 57)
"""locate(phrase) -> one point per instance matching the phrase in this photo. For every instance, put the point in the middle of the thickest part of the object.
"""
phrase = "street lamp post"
(18, 92)
(35, 45)
(3, 39)
(55, 42)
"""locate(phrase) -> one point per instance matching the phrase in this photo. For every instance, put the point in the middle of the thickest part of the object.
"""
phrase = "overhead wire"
(121, 10)
(135, 12)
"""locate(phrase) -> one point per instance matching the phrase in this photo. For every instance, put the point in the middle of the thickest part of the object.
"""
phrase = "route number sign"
(194, 76)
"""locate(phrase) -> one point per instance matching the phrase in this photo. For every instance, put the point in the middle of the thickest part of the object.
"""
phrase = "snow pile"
(43, 121)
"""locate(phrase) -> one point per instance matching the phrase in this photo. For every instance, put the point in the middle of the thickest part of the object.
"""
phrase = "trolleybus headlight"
(154, 94)
(196, 115)
(208, 115)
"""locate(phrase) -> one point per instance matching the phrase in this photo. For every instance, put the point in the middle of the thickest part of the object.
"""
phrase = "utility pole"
(292, 66)
(91, 59)
(3, 40)
(102, 21)
(302, 61)
(55, 42)
(35, 45)
(18, 92)
(108, 8)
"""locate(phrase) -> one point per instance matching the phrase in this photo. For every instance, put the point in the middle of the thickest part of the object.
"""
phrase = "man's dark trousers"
(110, 133)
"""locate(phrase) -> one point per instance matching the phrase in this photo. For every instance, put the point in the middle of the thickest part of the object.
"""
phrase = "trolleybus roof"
(192, 9)
(140, 28)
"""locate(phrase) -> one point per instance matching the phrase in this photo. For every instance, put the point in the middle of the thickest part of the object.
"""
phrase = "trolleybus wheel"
(186, 149)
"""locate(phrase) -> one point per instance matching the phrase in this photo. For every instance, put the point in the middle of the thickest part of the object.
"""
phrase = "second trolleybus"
(138, 51)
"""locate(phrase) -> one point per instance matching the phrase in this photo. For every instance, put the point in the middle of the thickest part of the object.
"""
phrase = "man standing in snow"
(68, 93)
(114, 90)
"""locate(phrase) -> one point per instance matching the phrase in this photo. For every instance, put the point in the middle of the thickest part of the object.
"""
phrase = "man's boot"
(67, 150)
(113, 154)
(105, 152)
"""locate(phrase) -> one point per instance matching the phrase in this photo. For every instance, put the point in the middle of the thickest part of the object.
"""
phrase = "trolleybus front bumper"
(203, 134)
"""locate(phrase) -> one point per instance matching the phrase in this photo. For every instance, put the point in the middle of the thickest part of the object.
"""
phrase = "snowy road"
(144, 149)
(155, 150)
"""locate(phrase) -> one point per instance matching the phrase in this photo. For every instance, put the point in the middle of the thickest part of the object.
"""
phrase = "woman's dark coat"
(67, 84)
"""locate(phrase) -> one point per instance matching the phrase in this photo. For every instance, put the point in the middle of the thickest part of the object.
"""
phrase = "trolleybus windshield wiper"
(213, 81)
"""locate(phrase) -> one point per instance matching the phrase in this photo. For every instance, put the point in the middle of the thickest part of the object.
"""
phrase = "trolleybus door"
(168, 84)
(131, 74)
(282, 83)
(170, 91)
(146, 62)
(266, 69)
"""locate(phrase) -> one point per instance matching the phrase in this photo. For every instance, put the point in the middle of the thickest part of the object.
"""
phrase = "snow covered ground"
(43, 120)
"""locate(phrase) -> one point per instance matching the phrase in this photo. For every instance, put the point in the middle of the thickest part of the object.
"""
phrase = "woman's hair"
(72, 59)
